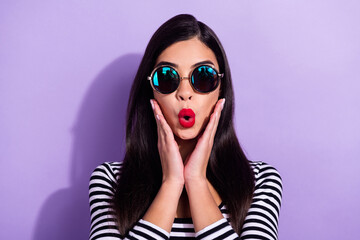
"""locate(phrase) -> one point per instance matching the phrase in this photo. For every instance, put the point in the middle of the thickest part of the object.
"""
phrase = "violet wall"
(65, 72)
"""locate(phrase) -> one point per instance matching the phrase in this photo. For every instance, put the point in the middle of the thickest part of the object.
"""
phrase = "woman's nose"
(184, 91)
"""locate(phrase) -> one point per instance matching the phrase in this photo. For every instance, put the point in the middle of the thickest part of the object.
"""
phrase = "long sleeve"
(218, 230)
(261, 221)
(103, 221)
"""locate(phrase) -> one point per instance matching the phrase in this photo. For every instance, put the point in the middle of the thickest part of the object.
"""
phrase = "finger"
(157, 114)
(163, 126)
(214, 117)
(209, 128)
(156, 108)
(218, 110)
(160, 117)
(158, 127)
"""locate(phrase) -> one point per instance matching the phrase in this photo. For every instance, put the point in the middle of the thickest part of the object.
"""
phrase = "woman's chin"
(187, 134)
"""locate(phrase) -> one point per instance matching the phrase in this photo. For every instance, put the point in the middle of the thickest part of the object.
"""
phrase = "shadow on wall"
(99, 136)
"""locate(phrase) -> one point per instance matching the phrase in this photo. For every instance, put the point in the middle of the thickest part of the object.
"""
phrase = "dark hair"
(141, 175)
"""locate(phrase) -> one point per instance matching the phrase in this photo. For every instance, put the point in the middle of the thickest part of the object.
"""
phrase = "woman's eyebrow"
(175, 65)
(202, 63)
(166, 63)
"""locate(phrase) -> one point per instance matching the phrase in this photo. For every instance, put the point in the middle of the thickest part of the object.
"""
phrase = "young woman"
(184, 175)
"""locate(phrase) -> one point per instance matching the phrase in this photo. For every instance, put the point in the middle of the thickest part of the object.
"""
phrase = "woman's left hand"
(196, 163)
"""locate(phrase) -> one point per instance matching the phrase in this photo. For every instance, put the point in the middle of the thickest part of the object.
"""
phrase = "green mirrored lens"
(205, 79)
(165, 79)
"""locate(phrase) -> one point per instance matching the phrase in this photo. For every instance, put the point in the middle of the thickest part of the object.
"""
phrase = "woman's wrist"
(162, 210)
(196, 182)
(195, 177)
(173, 185)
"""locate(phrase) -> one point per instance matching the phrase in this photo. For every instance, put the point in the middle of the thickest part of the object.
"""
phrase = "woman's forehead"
(187, 54)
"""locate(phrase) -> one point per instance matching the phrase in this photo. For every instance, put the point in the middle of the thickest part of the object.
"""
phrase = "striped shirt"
(261, 221)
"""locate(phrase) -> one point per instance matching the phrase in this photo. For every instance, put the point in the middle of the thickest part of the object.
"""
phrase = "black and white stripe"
(260, 223)
(262, 218)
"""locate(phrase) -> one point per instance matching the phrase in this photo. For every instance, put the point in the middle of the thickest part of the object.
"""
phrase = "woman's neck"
(186, 147)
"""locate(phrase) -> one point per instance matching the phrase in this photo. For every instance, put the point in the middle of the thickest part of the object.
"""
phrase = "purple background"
(65, 72)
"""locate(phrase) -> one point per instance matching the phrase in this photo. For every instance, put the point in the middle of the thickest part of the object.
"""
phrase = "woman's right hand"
(171, 161)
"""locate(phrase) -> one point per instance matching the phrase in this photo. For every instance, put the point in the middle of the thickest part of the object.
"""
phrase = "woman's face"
(184, 55)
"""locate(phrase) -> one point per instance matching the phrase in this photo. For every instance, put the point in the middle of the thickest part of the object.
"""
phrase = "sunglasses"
(203, 79)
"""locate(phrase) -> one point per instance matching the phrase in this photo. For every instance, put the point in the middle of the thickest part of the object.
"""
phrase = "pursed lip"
(186, 117)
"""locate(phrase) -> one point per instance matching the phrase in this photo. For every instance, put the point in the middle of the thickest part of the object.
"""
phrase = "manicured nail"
(157, 116)
(222, 104)
(152, 104)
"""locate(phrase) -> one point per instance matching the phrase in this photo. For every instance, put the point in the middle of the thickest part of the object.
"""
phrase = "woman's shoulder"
(265, 172)
(262, 219)
(108, 171)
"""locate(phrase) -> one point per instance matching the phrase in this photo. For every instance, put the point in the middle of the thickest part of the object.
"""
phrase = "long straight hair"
(228, 169)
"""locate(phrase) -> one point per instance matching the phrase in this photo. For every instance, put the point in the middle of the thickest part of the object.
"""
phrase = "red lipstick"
(186, 117)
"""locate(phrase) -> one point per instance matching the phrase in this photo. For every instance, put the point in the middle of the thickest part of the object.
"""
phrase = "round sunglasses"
(165, 79)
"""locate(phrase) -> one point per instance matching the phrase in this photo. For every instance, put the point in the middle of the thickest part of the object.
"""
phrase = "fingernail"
(152, 104)
(157, 116)
(222, 104)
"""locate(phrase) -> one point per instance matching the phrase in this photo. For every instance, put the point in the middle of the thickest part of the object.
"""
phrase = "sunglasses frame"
(220, 75)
